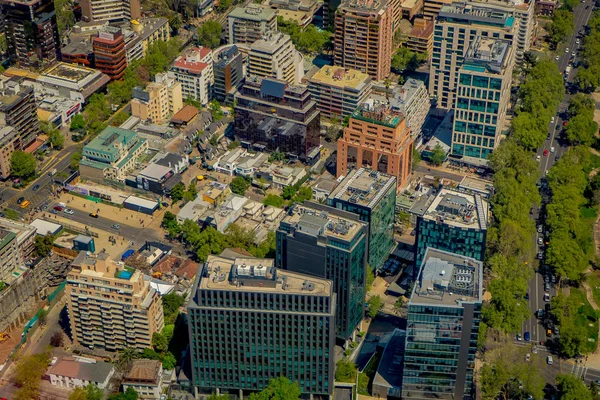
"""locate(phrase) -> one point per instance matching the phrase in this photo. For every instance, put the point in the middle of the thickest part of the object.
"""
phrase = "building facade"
(372, 196)
(194, 71)
(338, 91)
(228, 72)
(246, 25)
(272, 115)
(483, 96)
(456, 27)
(9, 142)
(31, 33)
(420, 38)
(74, 372)
(321, 241)
(363, 37)
(444, 314)
(455, 222)
(412, 100)
(111, 307)
(376, 138)
(275, 56)
(160, 101)
(112, 154)
(271, 323)
(145, 377)
(18, 109)
(110, 10)
(109, 52)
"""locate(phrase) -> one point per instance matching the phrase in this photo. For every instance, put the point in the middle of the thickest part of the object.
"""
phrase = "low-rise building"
(154, 178)
(74, 372)
(338, 91)
(302, 12)
(412, 100)
(225, 214)
(177, 162)
(246, 25)
(194, 70)
(58, 110)
(420, 38)
(287, 176)
(161, 99)
(240, 162)
(322, 188)
(145, 377)
(545, 7)
(112, 154)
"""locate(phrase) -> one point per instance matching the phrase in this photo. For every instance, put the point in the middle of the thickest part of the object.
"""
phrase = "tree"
(42, 315)
(22, 164)
(572, 388)
(375, 304)
(77, 122)
(239, 185)
(130, 394)
(307, 40)
(345, 371)
(89, 392)
(56, 139)
(562, 25)
(303, 194)
(572, 339)
(170, 223)
(234, 145)
(399, 304)
(416, 160)
(209, 34)
(126, 356)
(215, 110)
(177, 192)
(224, 5)
(273, 200)
(191, 192)
(279, 389)
(57, 339)
(438, 155)
(65, 17)
(406, 60)
(78, 394)
(215, 396)
(28, 375)
(43, 245)
(529, 131)
(171, 304)
(159, 342)
(276, 156)
(369, 277)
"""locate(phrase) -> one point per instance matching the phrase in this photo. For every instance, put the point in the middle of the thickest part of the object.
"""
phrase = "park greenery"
(43, 245)
(561, 26)
(28, 375)
(581, 127)
(278, 389)
(209, 34)
(345, 371)
(307, 40)
(588, 73)
(22, 165)
(405, 60)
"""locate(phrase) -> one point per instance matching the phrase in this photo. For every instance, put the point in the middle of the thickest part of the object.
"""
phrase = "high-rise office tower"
(111, 306)
(363, 37)
(31, 32)
(376, 138)
(110, 10)
(372, 196)
(444, 313)
(452, 221)
(250, 322)
(483, 96)
(321, 241)
(457, 26)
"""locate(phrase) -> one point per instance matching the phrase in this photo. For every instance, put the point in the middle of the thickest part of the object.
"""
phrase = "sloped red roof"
(188, 270)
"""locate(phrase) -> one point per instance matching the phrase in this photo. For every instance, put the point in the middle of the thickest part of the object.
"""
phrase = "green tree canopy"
(562, 25)
(438, 155)
(209, 34)
(345, 371)
(22, 165)
(307, 40)
(273, 200)
(375, 304)
(239, 185)
(279, 389)
(177, 192)
(572, 388)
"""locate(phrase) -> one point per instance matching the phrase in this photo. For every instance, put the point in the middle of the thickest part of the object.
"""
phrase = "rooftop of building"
(185, 115)
(422, 31)
(475, 13)
(389, 371)
(322, 221)
(150, 25)
(341, 77)
(404, 94)
(377, 6)
(274, 87)
(6, 237)
(78, 45)
(364, 187)
(259, 275)
(461, 209)
(448, 279)
(81, 368)
(270, 43)
(253, 12)
(109, 139)
(87, 264)
(225, 54)
(487, 55)
(143, 370)
(378, 114)
(192, 60)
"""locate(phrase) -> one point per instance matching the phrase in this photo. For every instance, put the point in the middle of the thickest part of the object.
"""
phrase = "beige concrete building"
(110, 10)
(275, 56)
(9, 142)
(246, 25)
(455, 28)
(420, 37)
(160, 101)
(338, 91)
(16, 246)
(431, 8)
(412, 100)
(111, 306)
(482, 99)
(363, 36)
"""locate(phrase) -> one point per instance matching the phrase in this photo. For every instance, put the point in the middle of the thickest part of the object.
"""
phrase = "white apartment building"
(161, 99)
(110, 10)
(276, 56)
(74, 372)
(245, 25)
(194, 71)
(412, 100)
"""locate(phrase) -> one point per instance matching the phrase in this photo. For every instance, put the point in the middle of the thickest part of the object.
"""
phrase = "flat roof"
(44, 227)
(107, 140)
(462, 209)
(341, 77)
(379, 114)
(364, 187)
(252, 13)
(138, 201)
(226, 274)
(319, 222)
(448, 279)
(69, 72)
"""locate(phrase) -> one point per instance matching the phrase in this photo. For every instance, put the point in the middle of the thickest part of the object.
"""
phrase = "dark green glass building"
(454, 221)
(444, 314)
(321, 241)
(250, 322)
(372, 196)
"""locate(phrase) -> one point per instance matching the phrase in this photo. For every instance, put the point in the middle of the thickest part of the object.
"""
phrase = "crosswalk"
(579, 370)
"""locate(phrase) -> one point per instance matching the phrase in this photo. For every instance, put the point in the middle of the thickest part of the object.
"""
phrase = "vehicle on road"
(552, 149)
(577, 41)
(540, 228)
(555, 329)
(540, 313)
(538, 158)
(549, 360)
(567, 50)
(540, 241)
(116, 226)
(573, 54)
(552, 120)
(545, 153)
(54, 211)
(25, 204)
(20, 200)
(548, 332)
(527, 336)
(527, 296)
(546, 287)
(36, 187)
(93, 215)
(68, 211)
(565, 123)
(534, 350)
(58, 208)
(519, 337)
(546, 296)
(53, 172)
(546, 278)
(553, 279)
(548, 137)
(557, 58)
(540, 255)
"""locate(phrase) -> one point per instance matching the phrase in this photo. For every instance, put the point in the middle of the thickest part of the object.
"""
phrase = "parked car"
(549, 360)
(58, 208)
(546, 296)
(68, 211)
(519, 337)
(540, 313)
(527, 336)
(540, 241)
(36, 187)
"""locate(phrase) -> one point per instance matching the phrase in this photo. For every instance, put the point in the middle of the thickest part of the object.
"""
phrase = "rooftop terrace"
(379, 114)
(448, 279)
(69, 72)
(459, 209)
(488, 54)
(258, 275)
(467, 12)
(341, 77)
(364, 187)
(317, 222)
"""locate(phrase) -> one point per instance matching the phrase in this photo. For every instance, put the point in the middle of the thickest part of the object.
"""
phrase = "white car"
(527, 357)
(552, 120)
(540, 229)
(546, 297)
(577, 41)
(538, 158)
(557, 58)
(567, 50)
(540, 241)
(551, 149)
(68, 211)
(549, 360)
(573, 54)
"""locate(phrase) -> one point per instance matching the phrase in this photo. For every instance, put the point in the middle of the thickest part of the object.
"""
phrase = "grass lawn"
(586, 318)
(593, 280)
(585, 236)
(593, 162)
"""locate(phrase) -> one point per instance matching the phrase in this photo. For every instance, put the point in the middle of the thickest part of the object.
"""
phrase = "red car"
(545, 153)
(59, 208)
(565, 123)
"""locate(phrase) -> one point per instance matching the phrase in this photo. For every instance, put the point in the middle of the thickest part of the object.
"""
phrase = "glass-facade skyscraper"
(455, 222)
(250, 322)
(321, 241)
(372, 196)
(444, 314)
